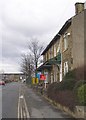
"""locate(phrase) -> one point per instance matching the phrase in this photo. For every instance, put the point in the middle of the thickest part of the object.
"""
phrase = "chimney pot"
(79, 7)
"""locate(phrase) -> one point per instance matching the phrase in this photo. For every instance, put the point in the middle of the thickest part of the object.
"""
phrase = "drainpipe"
(61, 56)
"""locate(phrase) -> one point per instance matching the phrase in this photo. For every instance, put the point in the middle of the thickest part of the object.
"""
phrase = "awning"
(55, 60)
(48, 64)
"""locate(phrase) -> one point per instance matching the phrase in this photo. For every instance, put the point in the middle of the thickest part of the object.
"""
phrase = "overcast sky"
(22, 20)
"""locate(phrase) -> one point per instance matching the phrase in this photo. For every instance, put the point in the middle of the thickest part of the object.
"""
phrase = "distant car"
(2, 83)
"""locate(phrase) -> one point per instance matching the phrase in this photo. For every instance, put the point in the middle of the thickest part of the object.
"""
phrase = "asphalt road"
(10, 95)
(20, 101)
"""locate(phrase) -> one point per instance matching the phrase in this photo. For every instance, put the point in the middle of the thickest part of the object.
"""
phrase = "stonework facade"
(70, 42)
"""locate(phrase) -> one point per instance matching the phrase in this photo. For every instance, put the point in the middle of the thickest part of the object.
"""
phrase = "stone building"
(73, 41)
(66, 51)
(9, 77)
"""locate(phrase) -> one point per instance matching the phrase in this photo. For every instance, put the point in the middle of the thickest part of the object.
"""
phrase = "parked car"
(2, 82)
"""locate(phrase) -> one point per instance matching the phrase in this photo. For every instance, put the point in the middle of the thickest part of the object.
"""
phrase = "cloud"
(21, 20)
(32, 17)
(12, 67)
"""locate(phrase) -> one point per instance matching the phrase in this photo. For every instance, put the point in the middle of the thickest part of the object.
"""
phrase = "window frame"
(65, 41)
(65, 67)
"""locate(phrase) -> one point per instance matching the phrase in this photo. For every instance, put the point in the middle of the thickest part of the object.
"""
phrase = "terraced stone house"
(66, 51)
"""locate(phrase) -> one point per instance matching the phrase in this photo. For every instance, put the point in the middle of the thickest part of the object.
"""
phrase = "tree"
(27, 65)
(36, 48)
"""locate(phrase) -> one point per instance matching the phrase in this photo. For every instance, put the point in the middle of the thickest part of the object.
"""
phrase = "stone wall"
(78, 39)
(67, 54)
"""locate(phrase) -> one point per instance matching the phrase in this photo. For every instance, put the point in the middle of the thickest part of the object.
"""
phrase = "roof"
(51, 43)
(12, 74)
(65, 26)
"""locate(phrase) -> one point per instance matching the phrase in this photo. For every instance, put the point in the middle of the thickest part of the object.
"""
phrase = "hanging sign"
(38, 76)
(42, 77)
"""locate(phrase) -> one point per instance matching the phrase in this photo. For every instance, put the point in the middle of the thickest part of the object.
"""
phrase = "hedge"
(82, 94)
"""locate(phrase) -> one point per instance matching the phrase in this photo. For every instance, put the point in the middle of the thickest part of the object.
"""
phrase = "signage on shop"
(42, 77)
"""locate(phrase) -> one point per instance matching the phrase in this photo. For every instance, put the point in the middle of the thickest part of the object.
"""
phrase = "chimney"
(85, 5)
(79, 7)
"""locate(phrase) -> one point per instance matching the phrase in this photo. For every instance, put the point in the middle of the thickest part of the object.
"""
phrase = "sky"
(23, 20)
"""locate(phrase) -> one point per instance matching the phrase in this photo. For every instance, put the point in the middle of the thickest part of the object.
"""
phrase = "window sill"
(65, 50)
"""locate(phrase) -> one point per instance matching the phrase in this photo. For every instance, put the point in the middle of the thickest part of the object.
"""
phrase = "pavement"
(39, 107)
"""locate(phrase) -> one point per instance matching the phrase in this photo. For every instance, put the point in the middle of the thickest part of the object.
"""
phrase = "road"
(10, 96)
(19, 101)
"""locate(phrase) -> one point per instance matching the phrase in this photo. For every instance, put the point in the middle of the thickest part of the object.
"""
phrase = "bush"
(67, 84)
(61, 86)
(61, 94)
(82, 94)
(79, 84)
(76, 87)
(51, 89)
(69, 75)
(64, 91)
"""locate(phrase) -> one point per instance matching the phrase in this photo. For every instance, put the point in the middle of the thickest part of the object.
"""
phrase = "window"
(71, 60)
(46, 56)
(65, 67)
(58, 49)
(51, 52)
(65, 42)
(54, 49)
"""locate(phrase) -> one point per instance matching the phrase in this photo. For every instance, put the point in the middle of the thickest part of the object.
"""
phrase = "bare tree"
(36, 49)
(27, 65)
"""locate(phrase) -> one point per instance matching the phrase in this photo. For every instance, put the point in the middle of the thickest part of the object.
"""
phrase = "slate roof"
(65, 26)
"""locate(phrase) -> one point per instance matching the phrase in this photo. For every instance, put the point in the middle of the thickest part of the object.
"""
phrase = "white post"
(61, 57)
